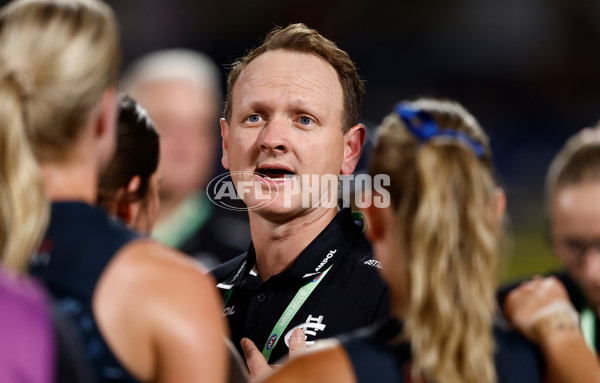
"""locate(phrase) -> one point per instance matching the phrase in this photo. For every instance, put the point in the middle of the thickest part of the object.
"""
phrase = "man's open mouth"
(275, 173)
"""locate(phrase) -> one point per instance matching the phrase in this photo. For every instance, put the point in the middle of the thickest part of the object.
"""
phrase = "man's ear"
(225, 144)
(353, 143)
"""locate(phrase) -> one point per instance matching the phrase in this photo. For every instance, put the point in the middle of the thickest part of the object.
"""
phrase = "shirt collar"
(325, 250)
(328, 247)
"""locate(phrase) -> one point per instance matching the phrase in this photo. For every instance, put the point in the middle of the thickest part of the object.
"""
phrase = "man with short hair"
(290, 126)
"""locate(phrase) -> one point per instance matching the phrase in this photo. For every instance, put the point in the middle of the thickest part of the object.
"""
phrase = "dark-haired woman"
(128, 187)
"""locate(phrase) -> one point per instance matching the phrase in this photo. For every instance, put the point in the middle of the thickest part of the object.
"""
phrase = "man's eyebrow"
(296, 104)
(308, 105)
(256, 104)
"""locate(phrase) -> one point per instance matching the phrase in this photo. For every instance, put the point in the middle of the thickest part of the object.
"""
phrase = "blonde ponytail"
(442, 190)
(452, 264)
(23, 204)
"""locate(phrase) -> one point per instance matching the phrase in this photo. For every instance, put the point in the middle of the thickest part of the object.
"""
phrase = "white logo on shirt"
(325, 260)
(227, 311)
(310, 327)
(374, 263)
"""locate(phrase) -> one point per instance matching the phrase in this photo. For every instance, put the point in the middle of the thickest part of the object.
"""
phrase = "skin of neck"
(73, 177)
(277, 245)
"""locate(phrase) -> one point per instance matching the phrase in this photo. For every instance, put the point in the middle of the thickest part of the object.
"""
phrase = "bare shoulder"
(158, 308)
(173, 281)
(326, 362)
(151, 266)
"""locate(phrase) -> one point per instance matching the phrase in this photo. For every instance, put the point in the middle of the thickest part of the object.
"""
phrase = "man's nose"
(274, 136)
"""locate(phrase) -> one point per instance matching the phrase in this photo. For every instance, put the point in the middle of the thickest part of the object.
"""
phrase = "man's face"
(285, 124)
(576, 235)
(185, 118)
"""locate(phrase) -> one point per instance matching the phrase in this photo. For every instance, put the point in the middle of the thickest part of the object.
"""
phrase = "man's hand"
(258, 366)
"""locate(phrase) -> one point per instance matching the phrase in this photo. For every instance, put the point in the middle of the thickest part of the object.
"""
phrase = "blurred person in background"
(438, 244)
(128, 187)
(143, 311)
(573, 210)
(181, 90)
(572, 200)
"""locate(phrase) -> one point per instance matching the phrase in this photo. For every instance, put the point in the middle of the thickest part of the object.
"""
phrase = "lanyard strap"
(227, 296)
(290, 312)
(588, 327)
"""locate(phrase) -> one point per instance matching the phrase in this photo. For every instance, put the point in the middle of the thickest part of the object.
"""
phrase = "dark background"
(527, 69)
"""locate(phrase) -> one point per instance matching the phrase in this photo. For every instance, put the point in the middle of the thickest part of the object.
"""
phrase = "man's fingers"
(257, 365)
(297, 342)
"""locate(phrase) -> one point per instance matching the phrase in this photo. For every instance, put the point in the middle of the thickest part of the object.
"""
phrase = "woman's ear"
(126, 209)
(500, 203)
(375, 221)
(104, 120)
(134, 184)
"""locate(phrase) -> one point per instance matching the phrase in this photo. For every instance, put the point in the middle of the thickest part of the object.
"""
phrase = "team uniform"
(332, 287)
(79, 244)
(377, 355)
(590, 322)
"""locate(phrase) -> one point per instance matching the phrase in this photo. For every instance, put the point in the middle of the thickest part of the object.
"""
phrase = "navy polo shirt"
(351, 295)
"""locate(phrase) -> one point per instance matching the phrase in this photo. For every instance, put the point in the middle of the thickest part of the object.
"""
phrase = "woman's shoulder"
(169, 301)
(147, 264)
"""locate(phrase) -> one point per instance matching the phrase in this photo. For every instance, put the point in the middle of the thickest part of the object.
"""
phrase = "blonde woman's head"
(442, 195)
(58, 58)
(61, 56)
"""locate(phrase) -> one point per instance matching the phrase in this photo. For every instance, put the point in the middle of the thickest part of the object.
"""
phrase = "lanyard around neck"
(290, 312)
(588, 327)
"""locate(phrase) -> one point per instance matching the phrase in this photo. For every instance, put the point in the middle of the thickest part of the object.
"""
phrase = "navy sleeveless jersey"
(378, 356)
(79, 243)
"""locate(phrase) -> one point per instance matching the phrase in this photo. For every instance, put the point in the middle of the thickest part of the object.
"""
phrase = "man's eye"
(254, 118)
(576, 247)
(305, 120)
